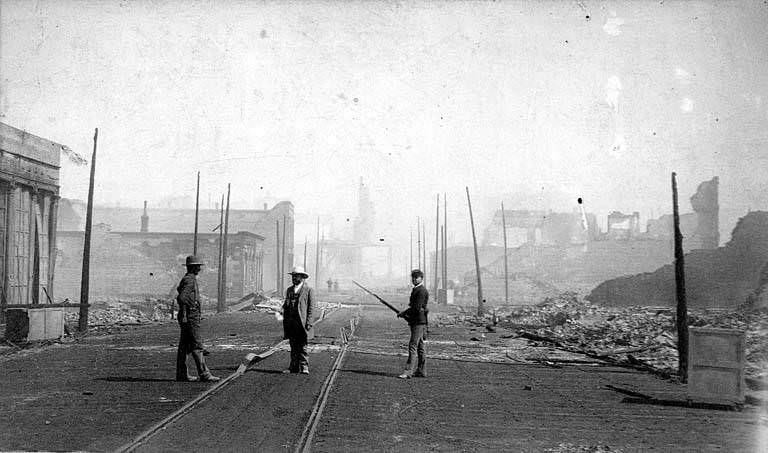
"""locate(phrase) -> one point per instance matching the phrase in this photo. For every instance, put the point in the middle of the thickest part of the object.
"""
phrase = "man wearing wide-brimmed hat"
(298, 309)
(189, 323)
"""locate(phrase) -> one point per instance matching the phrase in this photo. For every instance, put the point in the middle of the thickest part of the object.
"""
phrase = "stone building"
(138, 265)
(29, 194)
(260, 223)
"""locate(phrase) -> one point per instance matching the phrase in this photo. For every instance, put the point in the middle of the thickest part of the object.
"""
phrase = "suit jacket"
(416, 313)
(189, 298)
(306, 308)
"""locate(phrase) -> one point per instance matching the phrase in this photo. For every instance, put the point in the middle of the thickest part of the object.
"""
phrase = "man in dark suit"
(416, 315)
(298, 310)
(189, 322)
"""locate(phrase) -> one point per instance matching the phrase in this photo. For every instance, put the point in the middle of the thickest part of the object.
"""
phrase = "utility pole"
(277, 256)
(410, 257)
(82, 323)
(317, 256)
(418, 240)
(480, 304)
(424, 249)
(682, 308)
(221, 306)
(220, 293)
(305, 253)
(445, 241)
(197, 212)
(506, 269)
(437, 248)
(282, 259)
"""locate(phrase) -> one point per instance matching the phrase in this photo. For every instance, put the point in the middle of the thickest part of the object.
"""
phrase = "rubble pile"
(123, 313)
(640, 336)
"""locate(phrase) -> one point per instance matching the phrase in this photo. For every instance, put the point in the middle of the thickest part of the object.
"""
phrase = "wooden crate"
(716, 365)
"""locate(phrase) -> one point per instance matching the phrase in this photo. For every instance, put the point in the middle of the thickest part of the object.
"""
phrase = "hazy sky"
(298, 100)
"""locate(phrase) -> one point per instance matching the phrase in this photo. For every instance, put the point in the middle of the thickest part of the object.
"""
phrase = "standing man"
(416, 315)
(298, 308)
(189, 322)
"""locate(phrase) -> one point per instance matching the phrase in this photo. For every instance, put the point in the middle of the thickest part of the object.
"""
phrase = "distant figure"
(298, 308)
(416, 315)
(336, 286)
(189, 323)
(330, 284)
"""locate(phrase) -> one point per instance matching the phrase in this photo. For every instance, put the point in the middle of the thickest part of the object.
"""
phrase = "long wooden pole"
(445, 240)
(82, 323)
(410, 257)
(424, 249)
(682, 308)
(220, 292)
(224, 253)
(197, 215)
(480, 303)
(442, 245)
(437, 249)
(418, 241)
(317, 256)
(506, 268)
(282, 259)
(277, 257)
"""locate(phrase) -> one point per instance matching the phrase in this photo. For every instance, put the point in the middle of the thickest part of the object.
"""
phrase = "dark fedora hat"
(193, 260)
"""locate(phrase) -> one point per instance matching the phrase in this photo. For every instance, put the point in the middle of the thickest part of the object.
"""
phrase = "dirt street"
(101, 393)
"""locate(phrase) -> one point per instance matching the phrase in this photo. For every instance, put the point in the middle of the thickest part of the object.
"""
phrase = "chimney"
(145, 219)
(265, 206)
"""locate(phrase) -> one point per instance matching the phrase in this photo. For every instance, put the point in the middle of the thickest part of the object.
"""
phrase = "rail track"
(304, 443)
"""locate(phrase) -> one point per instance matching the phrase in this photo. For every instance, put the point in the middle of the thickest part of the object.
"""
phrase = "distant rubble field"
(642, 336)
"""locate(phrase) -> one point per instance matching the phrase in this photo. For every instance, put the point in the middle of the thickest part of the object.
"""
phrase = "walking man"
(298, 309)
(189, 323)
(416, 315)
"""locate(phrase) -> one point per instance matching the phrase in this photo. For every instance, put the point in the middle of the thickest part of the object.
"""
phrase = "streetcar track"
(162, 424)
(305, 441)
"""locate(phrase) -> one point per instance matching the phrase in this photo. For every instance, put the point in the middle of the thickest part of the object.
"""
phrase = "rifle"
(390, 306)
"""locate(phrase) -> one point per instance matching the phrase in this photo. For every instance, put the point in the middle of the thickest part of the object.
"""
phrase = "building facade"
(29, 194)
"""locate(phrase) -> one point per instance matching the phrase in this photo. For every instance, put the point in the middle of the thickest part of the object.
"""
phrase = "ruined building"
(29, 194)
(150, 245)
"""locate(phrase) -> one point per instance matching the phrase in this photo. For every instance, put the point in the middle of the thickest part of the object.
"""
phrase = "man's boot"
(202, 368)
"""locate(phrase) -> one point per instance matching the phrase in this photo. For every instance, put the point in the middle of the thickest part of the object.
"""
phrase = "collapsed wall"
(722, 277)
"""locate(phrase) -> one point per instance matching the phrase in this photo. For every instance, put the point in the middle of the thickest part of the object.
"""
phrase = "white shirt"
(297, 288)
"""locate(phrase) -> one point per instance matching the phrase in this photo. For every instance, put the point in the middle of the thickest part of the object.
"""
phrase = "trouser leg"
(181, 362)
(294, 366)
(202, 368)
(413, 344)
(421, 348)
(302, 357)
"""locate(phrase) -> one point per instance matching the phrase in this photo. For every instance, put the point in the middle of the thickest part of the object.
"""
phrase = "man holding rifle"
(416, 315)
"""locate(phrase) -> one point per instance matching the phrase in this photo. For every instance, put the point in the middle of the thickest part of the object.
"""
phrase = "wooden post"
(282, 259)
(197, 214)
(410, 257)
(437, 249)
(445, 241)
(82, 323)
(506, 269)
(682, 309)
(317, 256)
(480, 304)
(442, 245)
(424, 250)
(418, 241)
(220, 292)
(221, 307)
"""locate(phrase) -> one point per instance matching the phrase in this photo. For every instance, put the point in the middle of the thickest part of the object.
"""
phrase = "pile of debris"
(122, 313)
(643, 337)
